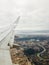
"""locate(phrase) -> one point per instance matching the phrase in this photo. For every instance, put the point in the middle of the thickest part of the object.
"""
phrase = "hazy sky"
(34, 14)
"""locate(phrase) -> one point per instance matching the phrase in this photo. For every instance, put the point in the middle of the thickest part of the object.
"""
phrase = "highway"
(41, 52)
(38, 54)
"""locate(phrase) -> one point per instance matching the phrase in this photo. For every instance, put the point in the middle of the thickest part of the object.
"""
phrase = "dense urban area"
(30, 50)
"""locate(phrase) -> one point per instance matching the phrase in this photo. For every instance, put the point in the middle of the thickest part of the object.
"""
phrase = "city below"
(31, 50)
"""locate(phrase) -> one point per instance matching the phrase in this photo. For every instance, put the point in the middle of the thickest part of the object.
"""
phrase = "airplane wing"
(16, 22)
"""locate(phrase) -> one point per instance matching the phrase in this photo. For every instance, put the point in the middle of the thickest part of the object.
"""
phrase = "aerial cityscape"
(31, 50)
(24, 32)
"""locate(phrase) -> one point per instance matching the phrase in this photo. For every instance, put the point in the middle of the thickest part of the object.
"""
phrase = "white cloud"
(34, 13)
(36, 20)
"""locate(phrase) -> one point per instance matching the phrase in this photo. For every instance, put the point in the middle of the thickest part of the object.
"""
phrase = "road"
(41, 52)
